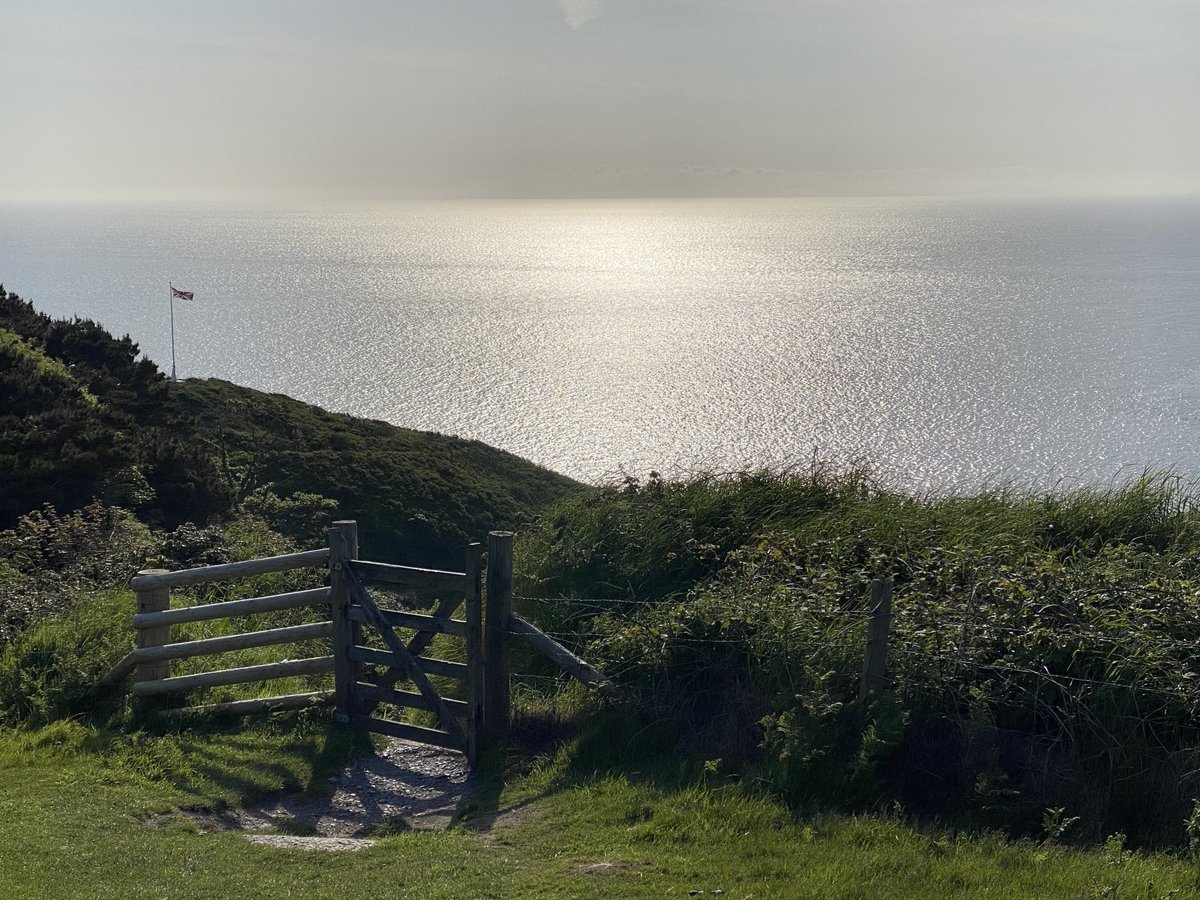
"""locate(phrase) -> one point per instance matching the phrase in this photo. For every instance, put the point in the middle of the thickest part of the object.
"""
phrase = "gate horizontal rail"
(432, 666)
(204, 574)
(229, 609)
(208, 646)
(415, 621)
(409, 576)
(240, 675)
(257, 705)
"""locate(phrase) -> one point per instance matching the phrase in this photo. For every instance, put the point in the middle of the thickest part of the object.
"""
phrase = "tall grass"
(1042, 653)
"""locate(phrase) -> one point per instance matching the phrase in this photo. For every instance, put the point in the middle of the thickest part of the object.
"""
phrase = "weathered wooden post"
(495, 653)
(152, 599)
(475, 668)
(878, 626)
(343, 546)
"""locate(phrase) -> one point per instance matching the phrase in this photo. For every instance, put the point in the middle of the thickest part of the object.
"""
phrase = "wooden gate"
(365, 677)
(375, 649)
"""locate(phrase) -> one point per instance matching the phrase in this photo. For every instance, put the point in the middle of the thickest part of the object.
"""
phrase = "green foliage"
(1056, 823)
(48, 562)
(185, 479)
(1041, 646)
(417, 496)
(72, 400)
(82, 417)
(1191, 827)
(32, 381)
(650, 540)
(52, 669)
(303, 517)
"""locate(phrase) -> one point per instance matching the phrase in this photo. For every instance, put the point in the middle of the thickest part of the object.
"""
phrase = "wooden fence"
(364, 677)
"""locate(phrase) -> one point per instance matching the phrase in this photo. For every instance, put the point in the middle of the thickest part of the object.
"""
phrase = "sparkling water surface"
(952, 344)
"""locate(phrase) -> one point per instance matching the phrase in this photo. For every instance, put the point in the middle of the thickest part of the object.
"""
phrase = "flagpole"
(171, 290)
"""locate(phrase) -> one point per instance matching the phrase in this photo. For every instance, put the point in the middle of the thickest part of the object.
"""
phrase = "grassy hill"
(83, 418)
(417, 495)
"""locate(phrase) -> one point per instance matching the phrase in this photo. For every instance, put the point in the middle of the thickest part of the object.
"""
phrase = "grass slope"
(83, 417)
(75, 804)
(416, 494)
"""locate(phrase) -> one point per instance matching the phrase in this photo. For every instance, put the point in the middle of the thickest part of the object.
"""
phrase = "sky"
(297, 101)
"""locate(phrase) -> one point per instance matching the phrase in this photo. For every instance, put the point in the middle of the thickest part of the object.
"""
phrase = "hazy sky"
(290, 100)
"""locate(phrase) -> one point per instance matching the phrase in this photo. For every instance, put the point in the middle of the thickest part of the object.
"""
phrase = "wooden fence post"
(343, 546)
(475, 668)
(153, 599)
(499, 609)
(875, 657)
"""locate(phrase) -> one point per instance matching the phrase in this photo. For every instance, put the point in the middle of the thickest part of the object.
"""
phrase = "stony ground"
(404, 786)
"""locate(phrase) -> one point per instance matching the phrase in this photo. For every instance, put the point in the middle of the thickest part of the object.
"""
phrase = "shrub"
(1041, 652)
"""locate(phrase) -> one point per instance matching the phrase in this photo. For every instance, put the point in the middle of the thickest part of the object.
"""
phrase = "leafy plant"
(1056, 823)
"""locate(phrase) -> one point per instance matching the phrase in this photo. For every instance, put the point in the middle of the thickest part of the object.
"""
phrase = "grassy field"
(76, 806)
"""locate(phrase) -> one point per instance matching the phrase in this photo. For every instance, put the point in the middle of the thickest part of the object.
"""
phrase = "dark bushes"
(1042, 652)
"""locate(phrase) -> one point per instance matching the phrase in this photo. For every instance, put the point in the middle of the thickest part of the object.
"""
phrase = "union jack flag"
(182, 295)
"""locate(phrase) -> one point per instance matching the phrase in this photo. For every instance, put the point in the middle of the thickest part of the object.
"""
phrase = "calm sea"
(951, 344)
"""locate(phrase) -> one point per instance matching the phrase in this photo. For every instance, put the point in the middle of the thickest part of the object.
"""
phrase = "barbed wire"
(946, 647)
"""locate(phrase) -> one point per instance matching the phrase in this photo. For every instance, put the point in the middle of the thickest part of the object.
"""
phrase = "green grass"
(75, 804)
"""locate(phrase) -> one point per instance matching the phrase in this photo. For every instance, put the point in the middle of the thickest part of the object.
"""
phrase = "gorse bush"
(1042, 652)
(79, 417)
(648, 540)
(49, 560)
(303, 517)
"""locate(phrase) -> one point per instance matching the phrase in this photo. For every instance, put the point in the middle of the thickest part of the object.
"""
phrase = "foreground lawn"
(74, 806)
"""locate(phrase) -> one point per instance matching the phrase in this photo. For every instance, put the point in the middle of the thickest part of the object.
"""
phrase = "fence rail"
(240, 675)
(288, 635)
(365, 677)
(155, 578)
(409, 576)
(416, 621)
(228, 609)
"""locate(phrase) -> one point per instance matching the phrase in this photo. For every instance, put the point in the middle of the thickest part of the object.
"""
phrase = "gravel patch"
(290, 842)
(404, 786)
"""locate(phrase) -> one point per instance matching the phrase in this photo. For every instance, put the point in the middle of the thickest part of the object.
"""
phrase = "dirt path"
(404, 786)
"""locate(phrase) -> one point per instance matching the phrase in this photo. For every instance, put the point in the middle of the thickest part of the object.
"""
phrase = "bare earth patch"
(404, 786)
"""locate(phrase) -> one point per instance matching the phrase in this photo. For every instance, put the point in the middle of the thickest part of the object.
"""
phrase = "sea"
(950, 344)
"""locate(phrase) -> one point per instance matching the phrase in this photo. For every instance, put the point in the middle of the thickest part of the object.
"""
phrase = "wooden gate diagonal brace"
(416, 647)
(404, 659)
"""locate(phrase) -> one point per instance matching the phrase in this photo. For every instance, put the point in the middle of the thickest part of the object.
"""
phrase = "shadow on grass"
(623, 742)
(574, 751)
(239, 761)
